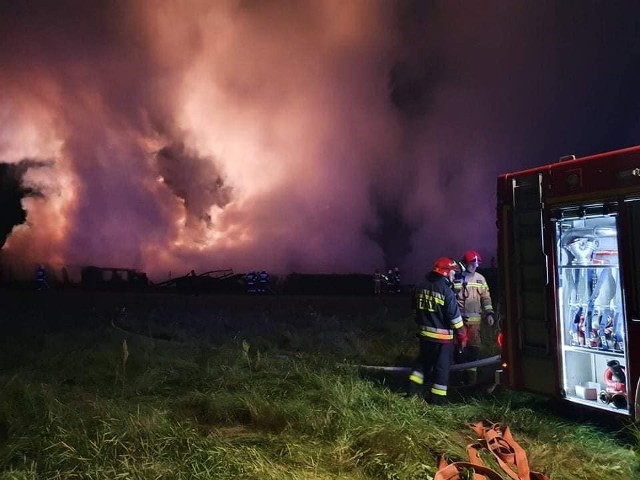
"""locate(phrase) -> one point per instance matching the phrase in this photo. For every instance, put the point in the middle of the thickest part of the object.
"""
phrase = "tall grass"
(245, 404)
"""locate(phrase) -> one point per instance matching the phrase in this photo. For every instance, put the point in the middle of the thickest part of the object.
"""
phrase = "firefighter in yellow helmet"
(474, 301)
(438, 317)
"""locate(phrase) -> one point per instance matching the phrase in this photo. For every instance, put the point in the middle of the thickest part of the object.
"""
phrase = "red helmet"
(444, 265)
(471, 256)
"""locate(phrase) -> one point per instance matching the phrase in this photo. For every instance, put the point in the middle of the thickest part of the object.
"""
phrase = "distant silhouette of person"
(396, 279)
(263, 282)
(250, 280)
(389, 282)
(377, 282)
(41, 278)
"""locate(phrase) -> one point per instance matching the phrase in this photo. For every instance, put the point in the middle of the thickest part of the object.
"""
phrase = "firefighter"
(438, 317)
(474, 301)
(389, 283)
(41, 278)
(263, 282)
(396, 279)
(377, 282)
(250, 280)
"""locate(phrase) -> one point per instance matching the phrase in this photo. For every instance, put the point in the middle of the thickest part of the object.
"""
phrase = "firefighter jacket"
(473, 296)
(437, 312)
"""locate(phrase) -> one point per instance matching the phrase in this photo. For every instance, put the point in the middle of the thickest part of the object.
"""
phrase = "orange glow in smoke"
(171, 136)
(251, 102)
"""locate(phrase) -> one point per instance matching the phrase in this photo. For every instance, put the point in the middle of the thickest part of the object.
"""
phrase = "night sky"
(310, 136)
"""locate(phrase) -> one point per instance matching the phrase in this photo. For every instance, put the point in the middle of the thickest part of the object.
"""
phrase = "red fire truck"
(569, 268)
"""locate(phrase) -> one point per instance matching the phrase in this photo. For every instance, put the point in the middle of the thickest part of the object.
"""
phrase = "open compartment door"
(590, 308)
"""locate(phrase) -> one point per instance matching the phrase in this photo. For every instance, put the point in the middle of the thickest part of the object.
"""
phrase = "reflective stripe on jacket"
(473, 296)
(436, 309)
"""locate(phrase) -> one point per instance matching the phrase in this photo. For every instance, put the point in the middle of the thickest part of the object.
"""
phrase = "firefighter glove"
(461, 337)
(490, 319)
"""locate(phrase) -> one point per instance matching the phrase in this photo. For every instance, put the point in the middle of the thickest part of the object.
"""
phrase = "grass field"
(153, 386)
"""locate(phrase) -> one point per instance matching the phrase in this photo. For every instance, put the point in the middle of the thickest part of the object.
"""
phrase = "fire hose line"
(484, 362)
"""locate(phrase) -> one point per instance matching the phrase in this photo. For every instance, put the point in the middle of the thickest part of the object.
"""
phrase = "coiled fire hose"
(496, 438)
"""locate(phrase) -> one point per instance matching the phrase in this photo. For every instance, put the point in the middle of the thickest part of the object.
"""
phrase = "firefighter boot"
(433, 399)
(416, 384)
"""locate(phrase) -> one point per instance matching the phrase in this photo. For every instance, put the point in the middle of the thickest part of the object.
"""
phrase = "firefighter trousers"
(430, 375)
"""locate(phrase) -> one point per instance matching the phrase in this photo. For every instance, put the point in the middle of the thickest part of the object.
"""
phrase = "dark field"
(358, 328)
(336, 330)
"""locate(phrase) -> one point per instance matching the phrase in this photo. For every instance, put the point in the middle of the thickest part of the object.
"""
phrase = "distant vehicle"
(569, 262)
(108, 278)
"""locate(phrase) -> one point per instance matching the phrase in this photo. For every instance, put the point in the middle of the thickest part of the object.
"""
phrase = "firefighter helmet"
(444, 265)
(471, 256)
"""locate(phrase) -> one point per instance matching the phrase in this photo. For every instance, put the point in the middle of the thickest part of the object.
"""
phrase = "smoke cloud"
(282, 135)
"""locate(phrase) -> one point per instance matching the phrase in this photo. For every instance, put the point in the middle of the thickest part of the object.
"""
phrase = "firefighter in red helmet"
(438, 317)
(474, 301)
